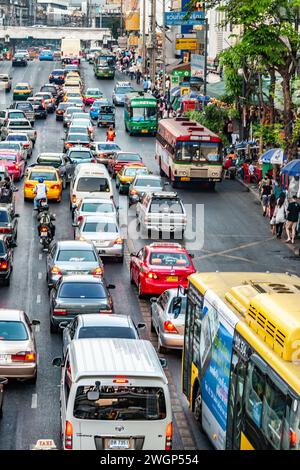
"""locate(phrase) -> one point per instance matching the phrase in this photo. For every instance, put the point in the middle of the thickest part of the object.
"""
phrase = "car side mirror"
(57, 362)
(141, 326)
(3, 381)
(132, 254)
(192, 255)
(75, 224)
(153, 300)
(163, 362)
(63, 325)
(111, 286)
(15, 190)
(35, 322)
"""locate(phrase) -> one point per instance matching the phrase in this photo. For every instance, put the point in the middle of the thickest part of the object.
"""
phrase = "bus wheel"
(212, 185)
(197, 408)
(174, 183)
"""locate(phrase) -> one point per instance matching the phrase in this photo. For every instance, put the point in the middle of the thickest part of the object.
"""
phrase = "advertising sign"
(178, 76)
(132, 21)
(183, 18)
(186, 44)
(197, 65)
(185, 88)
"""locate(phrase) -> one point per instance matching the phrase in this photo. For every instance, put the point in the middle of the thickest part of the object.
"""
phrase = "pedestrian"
(138, 76)
(280, 216)
(145, 84)
(149, 84)
(265, 192)
(131, 72)
(270, 212)
(229, 130)
(293, 211)
(294, 186)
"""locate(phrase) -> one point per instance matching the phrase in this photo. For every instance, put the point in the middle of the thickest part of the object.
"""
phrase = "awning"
(292, 168)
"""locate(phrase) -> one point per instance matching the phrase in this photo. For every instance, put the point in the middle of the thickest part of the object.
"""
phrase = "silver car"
(72, 257)
(94, 206)
(104, 233)
(99, 326)
(168, 319)
(143, 184)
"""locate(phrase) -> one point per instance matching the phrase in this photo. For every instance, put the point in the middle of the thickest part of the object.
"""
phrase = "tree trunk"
(290, 142)
(271, 96)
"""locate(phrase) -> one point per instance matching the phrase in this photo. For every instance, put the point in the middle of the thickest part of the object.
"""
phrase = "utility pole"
(144, 50)
(164, 47)
(205, 57)
(153, 41)
(121, 19)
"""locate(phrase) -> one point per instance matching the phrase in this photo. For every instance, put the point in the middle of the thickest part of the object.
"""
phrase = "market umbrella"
(292, 168)
(175, 91)
(273, 156)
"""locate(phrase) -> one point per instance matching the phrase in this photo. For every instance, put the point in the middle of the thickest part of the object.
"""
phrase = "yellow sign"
(184, 90)
(133, 41)
(186, 43)
(132, 21)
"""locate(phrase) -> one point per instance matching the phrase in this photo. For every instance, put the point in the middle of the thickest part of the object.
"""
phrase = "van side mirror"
(192, 255)
(153, 300)
(141, 326)
(111, 286)
(57, 362)
(35, 322)
(163, 362)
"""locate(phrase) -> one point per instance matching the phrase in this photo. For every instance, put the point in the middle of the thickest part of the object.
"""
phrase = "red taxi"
(120, 159)
(14, 163)
(160, 266)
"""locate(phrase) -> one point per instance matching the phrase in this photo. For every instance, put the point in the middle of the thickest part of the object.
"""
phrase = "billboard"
(183, 18)
(188, 44)
(132, 21)
(197, 65)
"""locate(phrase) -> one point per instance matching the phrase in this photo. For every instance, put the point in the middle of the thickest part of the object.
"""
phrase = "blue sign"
(184, 18)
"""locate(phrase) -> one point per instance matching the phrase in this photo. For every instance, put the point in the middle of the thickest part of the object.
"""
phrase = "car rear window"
(77, 154)
(82, 290)
(103, 227)
(170, 206)
(24, 106)
(117, 403)
(108, 147)
(76, 256)
(47, 176)
(21, 87)
(169, 259)
(78, 138)
(128, 158)
(20, 124)
(18, 137)
(12, 331)
(122, 90)
(154, 183)
(106, 332)
(134, 171)
(8, 157)
(88, 184)
(56, 162)
(16, 115)
(97, 207)
(3, 216)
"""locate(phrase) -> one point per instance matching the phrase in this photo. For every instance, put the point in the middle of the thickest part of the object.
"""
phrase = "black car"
(76, 294)
(6, 260)
(40, 109)
(57, 76)
(3, 381)
(8, 223)
(19, 59)
(54, 90)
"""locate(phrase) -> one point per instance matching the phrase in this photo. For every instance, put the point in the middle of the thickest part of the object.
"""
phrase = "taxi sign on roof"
(45, 444)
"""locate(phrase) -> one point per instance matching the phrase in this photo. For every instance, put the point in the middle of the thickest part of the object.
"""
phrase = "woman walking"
(280, 216)
(271, 213)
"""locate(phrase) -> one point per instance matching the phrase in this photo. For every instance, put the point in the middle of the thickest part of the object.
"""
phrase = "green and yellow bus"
(104, 64)
(241, 359)
(140, 113)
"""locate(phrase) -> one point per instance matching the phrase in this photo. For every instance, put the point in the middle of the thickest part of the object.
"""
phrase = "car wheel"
(140, 290)
(6, 282)
(160, 349)
(120, 259)
(33, 380)
(53, 328)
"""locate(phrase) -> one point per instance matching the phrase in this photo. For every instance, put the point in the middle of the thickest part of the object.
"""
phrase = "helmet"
(41, 180)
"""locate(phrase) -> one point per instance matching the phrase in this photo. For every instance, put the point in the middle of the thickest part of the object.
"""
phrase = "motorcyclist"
(45, 218)
(110, 134)
(6, 190)
(41, 192)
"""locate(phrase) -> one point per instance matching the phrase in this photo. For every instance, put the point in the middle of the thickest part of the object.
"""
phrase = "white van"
(114, 395)
(90, 180)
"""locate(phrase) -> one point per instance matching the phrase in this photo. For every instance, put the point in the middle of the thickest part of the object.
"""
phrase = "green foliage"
(214, 118)
(271, 135)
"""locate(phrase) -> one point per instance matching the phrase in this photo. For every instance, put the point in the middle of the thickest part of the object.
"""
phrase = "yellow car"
(51, 179)
(72, 82)
(22, 91)
(127, 174)
(72, 94)
(73, 75)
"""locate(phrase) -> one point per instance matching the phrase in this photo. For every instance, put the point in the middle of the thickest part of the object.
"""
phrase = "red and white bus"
(186, 152)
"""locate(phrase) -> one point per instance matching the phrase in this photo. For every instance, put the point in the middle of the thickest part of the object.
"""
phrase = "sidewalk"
(252, 188)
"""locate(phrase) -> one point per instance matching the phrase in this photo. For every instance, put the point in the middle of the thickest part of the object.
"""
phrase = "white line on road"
(37, 328)
(38, 299)
(40, 275)
(34, 400)
(40, 256)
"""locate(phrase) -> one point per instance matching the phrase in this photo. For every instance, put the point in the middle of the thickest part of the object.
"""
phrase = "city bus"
(186, 151)
(140, 113)
(241, 359)
(104, 64)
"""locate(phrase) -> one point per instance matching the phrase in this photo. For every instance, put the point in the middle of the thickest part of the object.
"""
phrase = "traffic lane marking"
(38, 299)
(34, 400)
(239, 247)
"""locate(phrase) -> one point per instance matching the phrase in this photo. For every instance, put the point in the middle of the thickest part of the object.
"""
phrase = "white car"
(23, 139)
(94, 207)
(104, 233)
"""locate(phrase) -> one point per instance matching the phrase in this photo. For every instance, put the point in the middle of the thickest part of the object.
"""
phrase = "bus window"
(255, 389)
(274, 411)
(196, 151)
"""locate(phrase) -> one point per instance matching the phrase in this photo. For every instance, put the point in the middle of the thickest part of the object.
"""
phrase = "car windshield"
(78, 138)
(76, 256)
(16, 115)
(93, 184)
(135, 171)
(97, 207)
(123, 157)
(143, 114)
(169, 259)
(82, 290)
(106, 332)
(3, 216)
(93, 92)
(108, 147)
(7, 157)
(144, 182)
(12, 331)
(17, 137)
(56, 162)
(47, 176)
(122, 90)
(197, 151)
(78, 155)
(170, 206)
(120, 403)
(63, 106)
(103, 227)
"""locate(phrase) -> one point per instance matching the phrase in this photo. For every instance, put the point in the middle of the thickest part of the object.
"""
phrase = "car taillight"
(29, 185)
(68, 435)
(5, 230)
(169, 433)
(97, 271)
(152, 276)
(17, 166)
(118, 241)
(44, 229)
(3, 265)
(26, 146)
(56, 270)
(169, 327)
(26, 356)
(133, 191)
(59, 311)
(35, 133)
(55, 186)
(73, 199)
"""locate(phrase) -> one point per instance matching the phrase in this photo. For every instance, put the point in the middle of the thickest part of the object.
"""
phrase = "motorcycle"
(46, 233)
(42, 205)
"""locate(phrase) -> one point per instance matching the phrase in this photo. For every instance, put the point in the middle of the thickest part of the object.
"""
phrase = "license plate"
(44, 234)
(144, 131)
(118, 444)
(5, 358)
(77, 272)
(185, 178)
(102, 122)
(172, 278)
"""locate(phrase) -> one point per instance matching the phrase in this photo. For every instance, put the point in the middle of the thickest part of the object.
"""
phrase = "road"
(235, 238)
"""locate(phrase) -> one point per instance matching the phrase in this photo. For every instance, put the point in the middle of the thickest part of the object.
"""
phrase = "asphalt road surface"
(229, 234)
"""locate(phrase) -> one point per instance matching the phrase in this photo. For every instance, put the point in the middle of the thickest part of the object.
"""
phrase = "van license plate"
(118, 444)
(5, 358)
(185, 178)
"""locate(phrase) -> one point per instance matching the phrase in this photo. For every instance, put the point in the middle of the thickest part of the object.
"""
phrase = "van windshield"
(121, 404)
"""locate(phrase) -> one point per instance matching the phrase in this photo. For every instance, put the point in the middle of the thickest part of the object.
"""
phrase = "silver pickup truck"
(27, 108)
(18, 125)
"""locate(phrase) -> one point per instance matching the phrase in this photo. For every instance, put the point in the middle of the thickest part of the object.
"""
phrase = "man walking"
(293, 211)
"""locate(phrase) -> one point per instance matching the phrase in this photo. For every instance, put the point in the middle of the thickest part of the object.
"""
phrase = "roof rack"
(165, 244)
(164, 194)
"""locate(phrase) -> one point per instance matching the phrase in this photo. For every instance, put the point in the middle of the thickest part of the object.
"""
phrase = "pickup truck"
(27, 108)
(18, 125)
